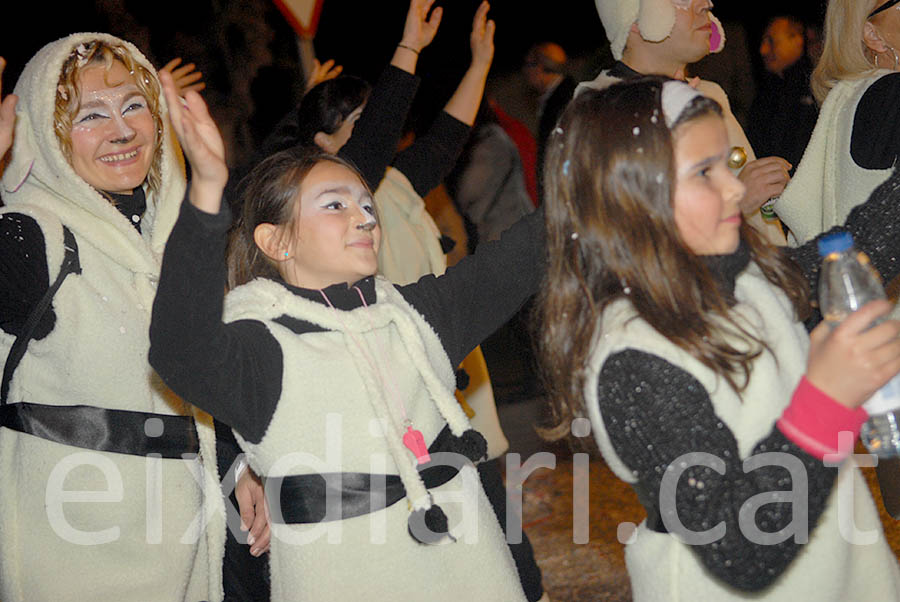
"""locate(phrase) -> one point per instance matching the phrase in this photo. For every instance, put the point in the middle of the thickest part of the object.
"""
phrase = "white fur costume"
(829, 568)
(326, 421)
(96, 355)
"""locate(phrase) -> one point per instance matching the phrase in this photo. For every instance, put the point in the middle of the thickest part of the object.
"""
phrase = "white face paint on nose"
(121, 129)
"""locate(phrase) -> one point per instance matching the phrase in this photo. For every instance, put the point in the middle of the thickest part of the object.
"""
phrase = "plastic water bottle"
(847, 282)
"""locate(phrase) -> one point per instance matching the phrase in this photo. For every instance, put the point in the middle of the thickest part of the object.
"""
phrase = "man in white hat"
(662, 37)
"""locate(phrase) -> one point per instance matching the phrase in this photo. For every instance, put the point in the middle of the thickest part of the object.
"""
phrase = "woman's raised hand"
(420, 30)
(7, 115)
(186, 77)
(322, 72)
(852, 361)
(202, 143)
(482, 37)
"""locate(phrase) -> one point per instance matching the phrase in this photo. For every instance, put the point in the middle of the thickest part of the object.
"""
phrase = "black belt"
(655, 522)
(318, 497)
(101, 429)
(89, 427)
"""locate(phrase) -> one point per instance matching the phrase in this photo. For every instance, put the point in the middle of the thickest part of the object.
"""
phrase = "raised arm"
(418, 32)
(186, 77)
(483, 291)
(875, 226)
(464, 103)
(428, 161)
(202, 143)
(232, 371)
(322, 72)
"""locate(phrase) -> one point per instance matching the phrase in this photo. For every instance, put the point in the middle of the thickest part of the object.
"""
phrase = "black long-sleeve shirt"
(234, 371)
(24, 277)
(372, 147)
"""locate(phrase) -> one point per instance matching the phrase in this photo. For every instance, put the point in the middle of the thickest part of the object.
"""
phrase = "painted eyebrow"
(345, 190)
(335, 190)
(96, 103)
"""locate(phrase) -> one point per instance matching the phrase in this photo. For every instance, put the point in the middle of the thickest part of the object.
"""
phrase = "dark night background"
(249, 57)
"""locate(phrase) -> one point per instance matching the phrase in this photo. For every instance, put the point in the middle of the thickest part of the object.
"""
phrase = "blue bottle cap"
(835, 243)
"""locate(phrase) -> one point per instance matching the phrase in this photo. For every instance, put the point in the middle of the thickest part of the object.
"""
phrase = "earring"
(896, 58)
(286, 255)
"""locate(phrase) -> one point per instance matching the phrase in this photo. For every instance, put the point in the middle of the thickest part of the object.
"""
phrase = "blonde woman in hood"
(110, 487)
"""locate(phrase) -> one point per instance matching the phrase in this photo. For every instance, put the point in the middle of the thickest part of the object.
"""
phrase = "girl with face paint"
(310, 353)
(674, 331)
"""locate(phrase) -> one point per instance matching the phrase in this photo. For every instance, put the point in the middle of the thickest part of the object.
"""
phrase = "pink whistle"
(415, 442)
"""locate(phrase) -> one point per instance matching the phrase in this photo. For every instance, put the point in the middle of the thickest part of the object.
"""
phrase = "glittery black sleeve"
(655, 413)
(23, 274)
(875, 226)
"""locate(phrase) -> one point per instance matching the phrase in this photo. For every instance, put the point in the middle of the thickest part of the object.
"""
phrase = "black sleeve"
(233, 371)
(875, 141)
(655, 413)
(875, 226)
(480, 293)
(432, 156)
(373, 144)
(23, 274)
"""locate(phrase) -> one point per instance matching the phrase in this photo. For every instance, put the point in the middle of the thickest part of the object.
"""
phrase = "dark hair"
(609, 183)
(268, 196)
(323, 109)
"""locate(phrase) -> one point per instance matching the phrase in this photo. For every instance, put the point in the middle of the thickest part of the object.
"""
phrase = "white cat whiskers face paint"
(113, 134)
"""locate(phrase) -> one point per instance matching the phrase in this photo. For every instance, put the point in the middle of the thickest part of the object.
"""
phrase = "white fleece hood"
(40, 175)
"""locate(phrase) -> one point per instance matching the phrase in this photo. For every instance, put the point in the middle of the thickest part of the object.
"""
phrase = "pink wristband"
(813, 420)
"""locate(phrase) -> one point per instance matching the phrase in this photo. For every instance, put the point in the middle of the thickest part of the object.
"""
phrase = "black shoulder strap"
(70, 264)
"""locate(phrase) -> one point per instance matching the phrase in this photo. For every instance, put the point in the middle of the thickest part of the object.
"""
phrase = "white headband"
(675, 97)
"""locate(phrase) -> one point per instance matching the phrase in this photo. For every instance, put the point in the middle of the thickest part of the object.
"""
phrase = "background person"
(784, 112)
(661, 37)
(856, 140)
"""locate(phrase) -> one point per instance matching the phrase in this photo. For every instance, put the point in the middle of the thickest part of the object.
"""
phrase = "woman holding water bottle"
(679, 333)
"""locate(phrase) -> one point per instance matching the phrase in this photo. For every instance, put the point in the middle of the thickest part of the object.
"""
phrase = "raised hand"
(202, 143)
(322, 72)
(852, 361)
(7, 115)
(764, 178)
(419, 30)
(482, 38)
(186, 77)
(466, 99)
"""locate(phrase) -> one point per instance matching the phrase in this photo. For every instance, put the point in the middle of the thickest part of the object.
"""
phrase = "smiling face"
(706, 192)
(113, 134)
(334, 235)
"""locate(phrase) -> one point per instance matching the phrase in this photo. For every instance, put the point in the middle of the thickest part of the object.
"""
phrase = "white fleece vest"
(828, 183)
(325, 422)
(661, 568)
(135, 537)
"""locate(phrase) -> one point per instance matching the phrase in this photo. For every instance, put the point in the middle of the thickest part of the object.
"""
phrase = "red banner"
(303, 15)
